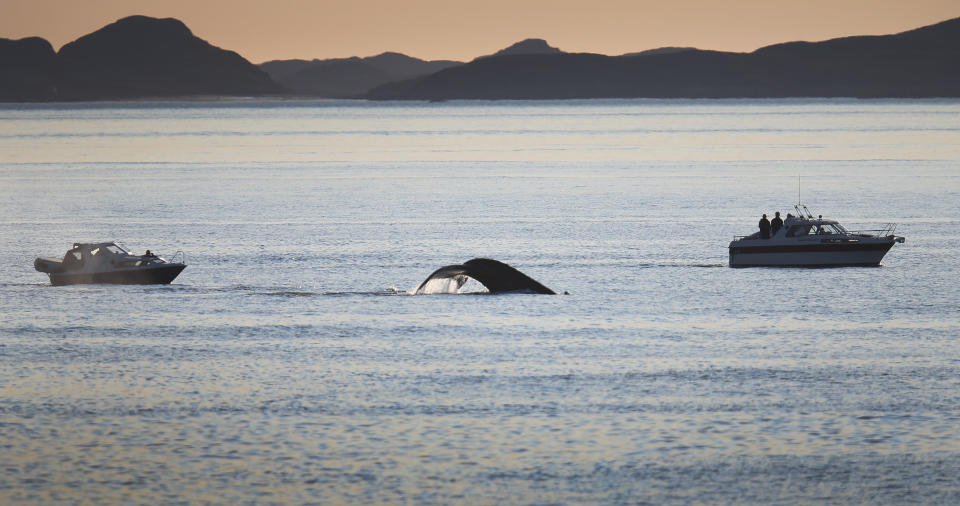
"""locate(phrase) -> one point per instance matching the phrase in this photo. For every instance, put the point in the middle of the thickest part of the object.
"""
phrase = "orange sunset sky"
(462, 30)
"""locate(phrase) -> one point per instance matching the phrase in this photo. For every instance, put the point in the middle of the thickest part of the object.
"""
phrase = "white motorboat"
(805, 241)
(108, 262)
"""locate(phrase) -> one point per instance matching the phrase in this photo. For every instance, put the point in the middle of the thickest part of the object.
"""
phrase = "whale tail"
(497, 276)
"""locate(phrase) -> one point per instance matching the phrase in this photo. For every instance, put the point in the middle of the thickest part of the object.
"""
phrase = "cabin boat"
(806, 241)
(108, 262)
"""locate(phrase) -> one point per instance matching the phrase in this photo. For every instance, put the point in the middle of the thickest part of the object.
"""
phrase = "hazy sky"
(463, 29)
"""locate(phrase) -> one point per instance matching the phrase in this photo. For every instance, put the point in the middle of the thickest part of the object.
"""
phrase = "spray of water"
(442, 285)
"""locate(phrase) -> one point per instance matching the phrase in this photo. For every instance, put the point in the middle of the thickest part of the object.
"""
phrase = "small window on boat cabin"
(116, 250)
(94, 252)
(799, 230)
(828, 228)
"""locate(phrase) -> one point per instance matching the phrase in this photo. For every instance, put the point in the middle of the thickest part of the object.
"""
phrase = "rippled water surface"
(288, 362)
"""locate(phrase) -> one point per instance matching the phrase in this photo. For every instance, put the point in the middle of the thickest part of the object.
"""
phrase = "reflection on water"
(286, 366)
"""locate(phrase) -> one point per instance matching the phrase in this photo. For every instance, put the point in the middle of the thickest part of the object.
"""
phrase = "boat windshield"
(814, 229)
(116, 250)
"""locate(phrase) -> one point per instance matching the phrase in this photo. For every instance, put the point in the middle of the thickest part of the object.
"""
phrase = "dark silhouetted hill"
(140, 57)
(662, 50)
(341, 78)
(527, 46)
(404, 67)
(28, 70)
(919, 63)
(349, 77)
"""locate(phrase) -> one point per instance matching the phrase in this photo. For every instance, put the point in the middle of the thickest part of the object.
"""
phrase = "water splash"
(442, 285)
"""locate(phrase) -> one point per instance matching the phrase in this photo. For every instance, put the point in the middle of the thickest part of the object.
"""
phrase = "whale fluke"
(497, 276)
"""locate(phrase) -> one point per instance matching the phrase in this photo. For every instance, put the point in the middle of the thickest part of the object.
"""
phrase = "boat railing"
(181, 254)
(884, 231)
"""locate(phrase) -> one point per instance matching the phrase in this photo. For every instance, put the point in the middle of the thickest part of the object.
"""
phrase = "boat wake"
(666, 264)
(388, 292)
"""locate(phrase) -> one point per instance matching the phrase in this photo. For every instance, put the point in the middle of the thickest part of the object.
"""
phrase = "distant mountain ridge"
(135, 57)
(662, 50)
(527, 46)
(142, 57)
(924, 62)
(349, 77)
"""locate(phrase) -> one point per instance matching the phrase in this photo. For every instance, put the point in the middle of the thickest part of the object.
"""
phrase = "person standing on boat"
(776, 224)
(764, 227)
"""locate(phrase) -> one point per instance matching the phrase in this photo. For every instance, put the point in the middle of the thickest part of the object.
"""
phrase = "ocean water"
(289, 362)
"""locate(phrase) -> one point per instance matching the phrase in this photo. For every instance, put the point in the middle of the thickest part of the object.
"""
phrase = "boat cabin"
(100, 254)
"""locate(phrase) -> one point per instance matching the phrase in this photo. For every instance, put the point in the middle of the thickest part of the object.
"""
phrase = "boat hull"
(863, 254)
(159, 275)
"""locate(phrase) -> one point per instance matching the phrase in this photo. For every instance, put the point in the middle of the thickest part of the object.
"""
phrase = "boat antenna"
(802, 210)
